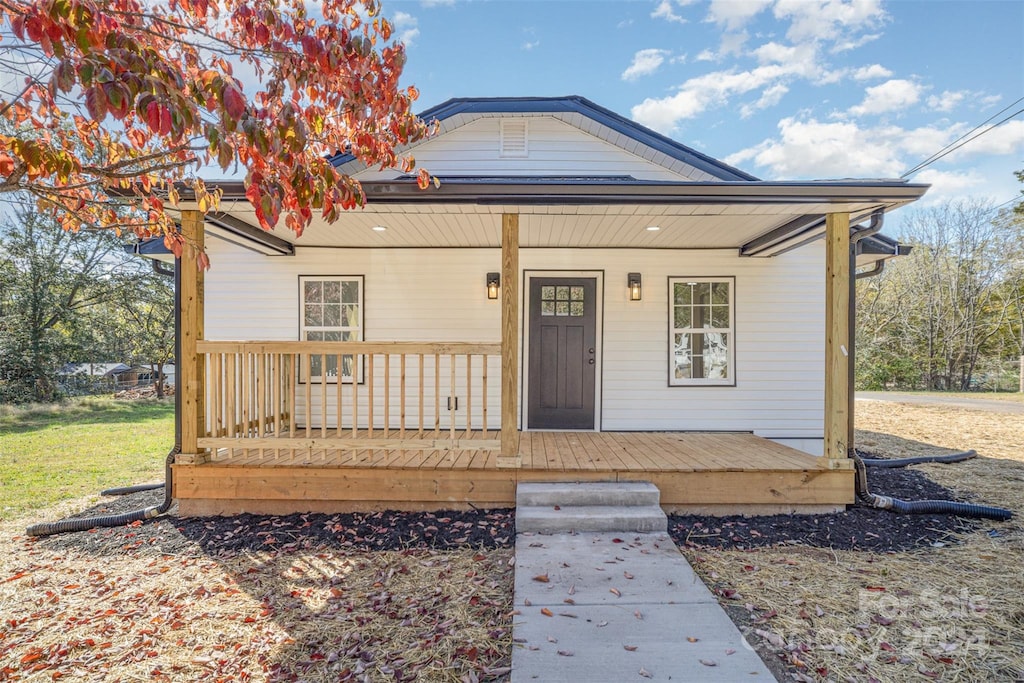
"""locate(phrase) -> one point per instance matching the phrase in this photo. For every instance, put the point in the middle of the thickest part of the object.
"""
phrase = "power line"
(953, 149)
(954, 146)
(1008, 201)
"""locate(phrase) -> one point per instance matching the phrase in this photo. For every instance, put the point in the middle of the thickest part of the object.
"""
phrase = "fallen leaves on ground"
(945, 608)
(312, 615)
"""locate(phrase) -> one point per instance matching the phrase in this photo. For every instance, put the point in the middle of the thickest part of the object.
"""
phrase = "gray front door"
(563, 315)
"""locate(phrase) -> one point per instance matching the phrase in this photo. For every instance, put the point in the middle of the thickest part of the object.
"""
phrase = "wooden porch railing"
(330, 396)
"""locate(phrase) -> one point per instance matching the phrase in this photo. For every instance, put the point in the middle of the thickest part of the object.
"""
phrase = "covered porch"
(278, 426)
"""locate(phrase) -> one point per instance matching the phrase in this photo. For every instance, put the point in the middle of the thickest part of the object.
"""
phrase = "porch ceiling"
(590, 213)
(701, 226)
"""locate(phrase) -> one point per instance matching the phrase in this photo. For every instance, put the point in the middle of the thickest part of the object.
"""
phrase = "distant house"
(580, 299)
(115, 376)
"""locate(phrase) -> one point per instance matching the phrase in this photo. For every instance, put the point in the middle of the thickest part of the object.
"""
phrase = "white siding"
(555, 149)
(439, 295)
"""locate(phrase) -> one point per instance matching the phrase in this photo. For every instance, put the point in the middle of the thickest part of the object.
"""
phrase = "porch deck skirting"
(718, 473)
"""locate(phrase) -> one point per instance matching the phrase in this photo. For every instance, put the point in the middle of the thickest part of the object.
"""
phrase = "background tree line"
(950, 316)
(74, 298)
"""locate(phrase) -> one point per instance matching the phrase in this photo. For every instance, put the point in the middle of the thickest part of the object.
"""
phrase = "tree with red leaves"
(114, 107)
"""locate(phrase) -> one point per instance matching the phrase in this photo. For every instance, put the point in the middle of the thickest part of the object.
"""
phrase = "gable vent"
(513, 138)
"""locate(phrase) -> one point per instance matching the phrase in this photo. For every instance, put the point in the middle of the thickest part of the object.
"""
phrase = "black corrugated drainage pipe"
(86, 523)
(921, 507)
(903, 462)
(125, 490)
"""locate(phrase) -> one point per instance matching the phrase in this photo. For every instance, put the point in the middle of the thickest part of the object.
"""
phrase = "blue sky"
(784, 89)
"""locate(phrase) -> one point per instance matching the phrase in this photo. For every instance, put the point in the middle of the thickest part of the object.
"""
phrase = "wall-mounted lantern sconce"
(633, 282)
(493, 282)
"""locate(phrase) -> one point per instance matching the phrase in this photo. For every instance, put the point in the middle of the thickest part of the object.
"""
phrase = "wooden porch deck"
(717, 473)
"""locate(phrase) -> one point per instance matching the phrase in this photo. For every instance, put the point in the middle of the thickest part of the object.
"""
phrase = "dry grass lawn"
(296, 615)
(952, 613)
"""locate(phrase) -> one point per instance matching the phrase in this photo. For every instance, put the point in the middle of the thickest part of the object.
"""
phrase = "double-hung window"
(331, 310)
(701, 331)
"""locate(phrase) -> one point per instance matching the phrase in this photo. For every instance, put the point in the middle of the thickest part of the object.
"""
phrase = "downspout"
(864, 495)
(857, 233)
(86, 523)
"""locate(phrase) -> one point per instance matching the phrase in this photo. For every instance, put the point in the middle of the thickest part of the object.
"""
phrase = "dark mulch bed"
(369, 531)
(857, 528)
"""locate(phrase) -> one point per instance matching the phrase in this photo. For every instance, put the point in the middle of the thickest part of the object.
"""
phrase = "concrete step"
(541, 494)
(567, 518)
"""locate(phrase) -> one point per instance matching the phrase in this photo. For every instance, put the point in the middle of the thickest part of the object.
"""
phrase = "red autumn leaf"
(234, 101)
(153, 116)
(542, 578)
(546, 612)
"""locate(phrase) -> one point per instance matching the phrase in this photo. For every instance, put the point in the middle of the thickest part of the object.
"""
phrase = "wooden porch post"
(509, 456)
(837, 335)
(191, 373)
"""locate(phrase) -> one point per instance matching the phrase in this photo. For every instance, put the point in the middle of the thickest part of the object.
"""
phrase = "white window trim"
(729, 381)
(303, 329)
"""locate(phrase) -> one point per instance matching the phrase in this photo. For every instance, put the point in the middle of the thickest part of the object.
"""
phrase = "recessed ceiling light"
(379, 228)
(653, 228)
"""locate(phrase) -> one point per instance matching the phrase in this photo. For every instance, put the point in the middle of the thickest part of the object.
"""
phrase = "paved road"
(990, 405)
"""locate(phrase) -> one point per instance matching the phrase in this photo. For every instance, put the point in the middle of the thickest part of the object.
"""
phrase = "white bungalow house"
(581, 298)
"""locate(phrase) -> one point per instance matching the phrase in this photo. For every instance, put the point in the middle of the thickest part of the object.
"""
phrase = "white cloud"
(867, 73)
(1006, 139)
(769, 98)
(822, 20)
(892, 95)
(732, 44)
(808, 148)
(947, 185)
(531, 41)
(812, 149)
(407, 27)
(666, 10)
(775, 53)
(624, 23)
(645, 63)
(734, 14)
(845, 45)
(948, 100)
(780, 64)
(705, 56)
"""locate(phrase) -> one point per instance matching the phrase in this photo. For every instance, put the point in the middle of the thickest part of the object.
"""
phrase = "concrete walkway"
(614, 606)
